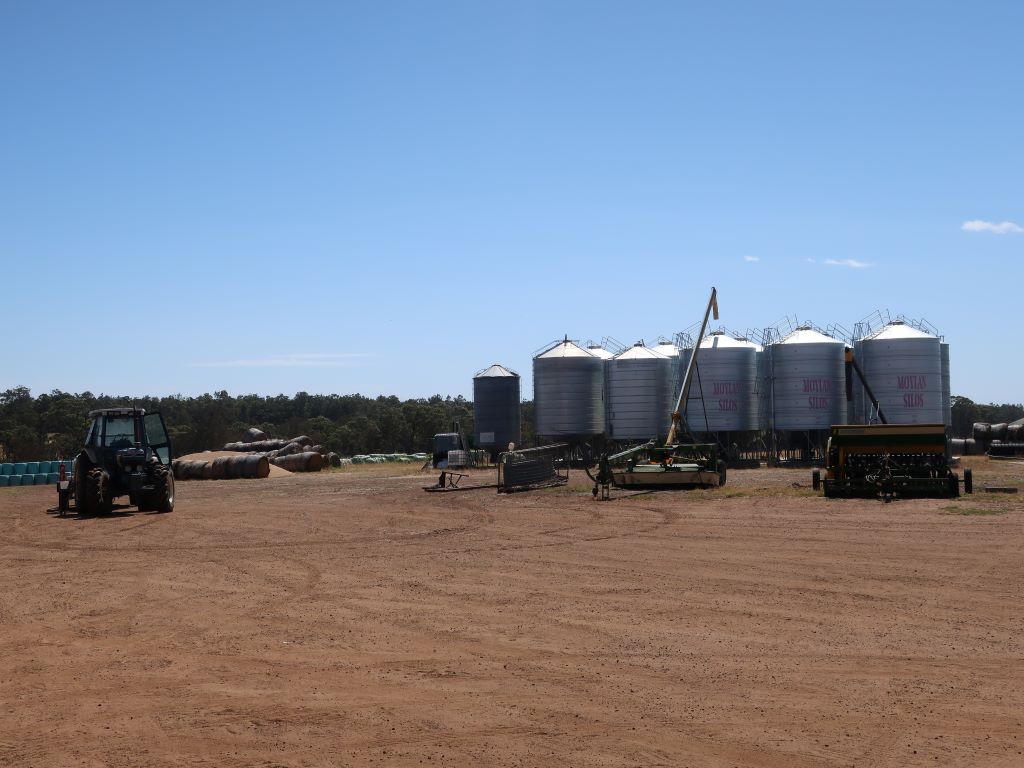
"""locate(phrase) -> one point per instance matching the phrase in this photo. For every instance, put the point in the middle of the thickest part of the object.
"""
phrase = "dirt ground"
(349, 619)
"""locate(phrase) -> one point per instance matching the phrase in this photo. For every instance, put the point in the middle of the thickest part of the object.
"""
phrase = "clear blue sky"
(385, 197)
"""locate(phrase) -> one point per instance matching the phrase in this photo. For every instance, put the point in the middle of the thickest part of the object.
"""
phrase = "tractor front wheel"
(95, 497)
(163, 493)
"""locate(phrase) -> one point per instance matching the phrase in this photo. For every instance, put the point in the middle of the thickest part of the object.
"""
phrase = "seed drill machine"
(888, 460)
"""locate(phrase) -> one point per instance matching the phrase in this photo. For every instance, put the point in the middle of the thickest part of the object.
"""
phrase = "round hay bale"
(262, 467)
(188, 470)
(253, 435)
(303, 440)
(334, 459)
(207, 470)
(301, 462)
(234, 467)
(250, 466)
(220, 467)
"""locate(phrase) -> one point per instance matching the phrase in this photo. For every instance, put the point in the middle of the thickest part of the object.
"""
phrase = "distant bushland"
(54, 424)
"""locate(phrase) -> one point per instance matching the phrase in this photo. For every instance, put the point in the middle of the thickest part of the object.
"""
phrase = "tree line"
(53, 425)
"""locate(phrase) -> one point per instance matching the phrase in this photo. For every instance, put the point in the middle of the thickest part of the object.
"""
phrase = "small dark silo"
(497, 412)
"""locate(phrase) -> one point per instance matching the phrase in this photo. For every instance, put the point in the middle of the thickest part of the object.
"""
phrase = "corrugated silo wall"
(568, 396)
(723, 391)
(640, 398)
(906, 377)
(809, 388)
(497, 412)
(947, 393)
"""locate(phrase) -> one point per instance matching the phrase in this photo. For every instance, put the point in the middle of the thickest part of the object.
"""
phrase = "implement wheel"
(816, 480)
(968, 480)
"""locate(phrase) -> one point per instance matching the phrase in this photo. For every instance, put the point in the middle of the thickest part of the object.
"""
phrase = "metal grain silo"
(497, 412)
(671, 351)
(947, 392)
(640, 393)
(903, 367)
(723, 391)
(808, 381)
(568, 392)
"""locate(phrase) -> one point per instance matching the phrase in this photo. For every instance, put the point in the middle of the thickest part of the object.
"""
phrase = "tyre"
(816, 480)
(163, 491)
(968, 480)
(95, 499)
(721, 473)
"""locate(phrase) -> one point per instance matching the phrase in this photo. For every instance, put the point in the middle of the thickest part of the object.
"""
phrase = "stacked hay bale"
(996, 439)
(295, 455)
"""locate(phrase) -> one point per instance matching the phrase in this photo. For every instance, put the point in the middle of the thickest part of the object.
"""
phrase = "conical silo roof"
(598, 351)
(898, 330)
(564, 349)
(666, 348)
(639, 352)
(807, 335)
(722, 340)
(495, 370)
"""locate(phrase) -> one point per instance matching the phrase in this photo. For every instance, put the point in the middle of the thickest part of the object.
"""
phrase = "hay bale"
(308, 461)
(220, 469)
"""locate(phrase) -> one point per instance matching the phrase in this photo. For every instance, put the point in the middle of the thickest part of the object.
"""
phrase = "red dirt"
(349, 618)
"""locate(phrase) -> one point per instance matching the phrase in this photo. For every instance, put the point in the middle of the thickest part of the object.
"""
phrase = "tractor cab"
(129, 434)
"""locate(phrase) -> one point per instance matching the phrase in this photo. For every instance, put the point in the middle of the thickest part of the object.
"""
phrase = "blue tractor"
(127, 452)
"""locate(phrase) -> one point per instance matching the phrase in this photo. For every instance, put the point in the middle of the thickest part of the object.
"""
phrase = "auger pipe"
(684, 391)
